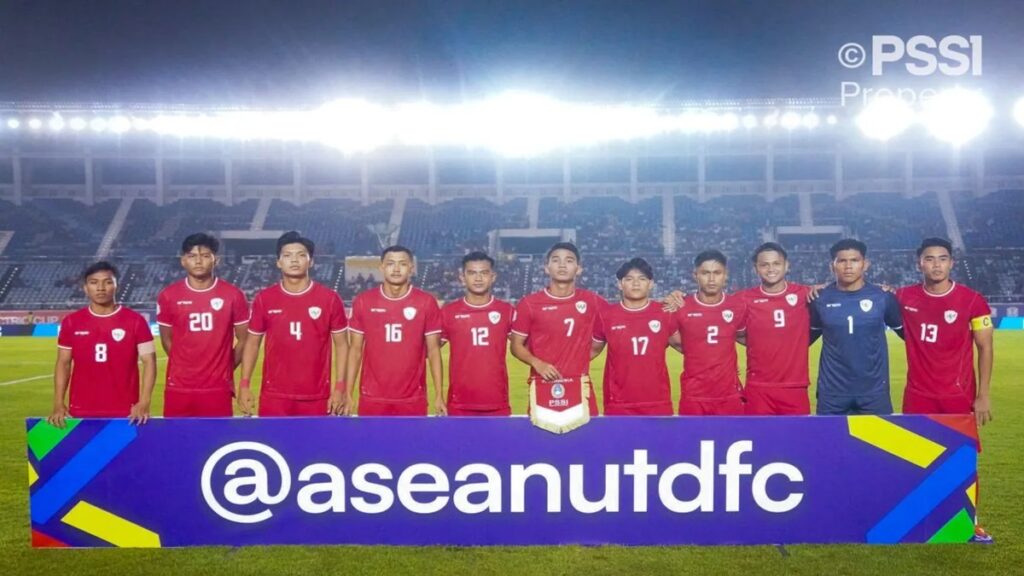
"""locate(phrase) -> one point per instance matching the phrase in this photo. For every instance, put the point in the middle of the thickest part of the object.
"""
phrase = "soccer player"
(395, 326)
(477, 326)
(850, 316)
(777, 338)
(303, 321)
(203, 322)
(637, 334)
(944, 321)
(553, 328)
(709, 324)
(98, 352)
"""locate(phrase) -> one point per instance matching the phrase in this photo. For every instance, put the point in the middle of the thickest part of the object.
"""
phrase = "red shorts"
(771, 401)
(917, 403)
(270, 406)
(202, 404)
(648, 409)
(731, 406)
(378, 408)
(464, 411)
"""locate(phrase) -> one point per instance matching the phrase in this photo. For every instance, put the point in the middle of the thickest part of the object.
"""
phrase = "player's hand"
(545, 370)
(673, 302)
(59, 414)
(348, 407)
(139, 413)
(246, 402)
(815, 291)
(440, 408)
(983, 410)
(886, 287)
(336, 403)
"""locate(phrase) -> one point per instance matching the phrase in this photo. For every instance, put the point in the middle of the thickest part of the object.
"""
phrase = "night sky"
(304, 52)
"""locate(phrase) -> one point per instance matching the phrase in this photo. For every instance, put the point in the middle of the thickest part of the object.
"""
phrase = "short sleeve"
(445, 326)
(599, 335)
(258, 320)
(164, 310)
(142, 332)
(893, 314)
(521, 318)
(432, 324)
(64, 333)
(815, 316)
(980, 313)
(357, 323)
(339, 323)
(240, 309)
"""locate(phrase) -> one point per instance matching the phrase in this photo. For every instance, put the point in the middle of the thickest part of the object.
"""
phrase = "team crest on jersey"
(655, 326)
(314, 312)
(866, 305)
(950, 316)
(118, 334)
(727, 315)
(557, 391)
(217, 303)
(409, 312)
(494, 316)
(581, 307)
(791, 299)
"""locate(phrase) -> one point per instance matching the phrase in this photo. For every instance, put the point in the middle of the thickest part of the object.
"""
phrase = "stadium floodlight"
(1018, 111)
(140, 124)
(750, 121)
(790, 120)
(13, 123)
(77, 124)
(98, 124)
(729, 122)
(810, 120)
(351, 125)
(957, 115)
(831, 120)
(884, 118)
(56, 123)
(120, 124)
(771, 120)
(35, 123)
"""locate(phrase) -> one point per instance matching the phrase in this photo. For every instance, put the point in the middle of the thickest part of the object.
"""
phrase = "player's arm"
(815, 324)
(339, 395)
(61, 378)
(250, 352)
(596, 347)
(140, 411)
(741, 338)
(523, 354)
(983, 341)
(355, 362)
(894, 315)
(436, 372)
(676, 341)
(165, 338)
(241, 334)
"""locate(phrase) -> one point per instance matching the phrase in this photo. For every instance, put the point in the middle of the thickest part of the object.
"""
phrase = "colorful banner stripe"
(895, 440)
(109, 527)
(43, 437)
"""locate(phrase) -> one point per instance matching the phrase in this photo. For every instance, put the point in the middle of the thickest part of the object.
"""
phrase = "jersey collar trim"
(946, 293)
(720, 302)
(212, 286)
(116, 310)
(402, 297)
(641, 309)
(308, 288)
(785, 287)
(489, 302)
(569, 297)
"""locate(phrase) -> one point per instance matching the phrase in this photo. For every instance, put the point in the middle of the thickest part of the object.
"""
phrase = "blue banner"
(500, 481)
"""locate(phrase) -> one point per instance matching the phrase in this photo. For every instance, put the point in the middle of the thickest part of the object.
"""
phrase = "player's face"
(294, 261)
(636, 286)
(563, 266)
(398, 268)
(100, 288)
(711, 277)
(478, 277)
(199, 262)
(849, 266)
(771, 267)
(935, 263)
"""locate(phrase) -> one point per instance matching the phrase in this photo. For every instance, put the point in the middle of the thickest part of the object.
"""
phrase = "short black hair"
(294, 237)
(477, 256)
(769, 247)
(709, 255)
(101, 266)
(200, 239)
(935, 242)
(638, 264)
(397, 248)
(563, 246)
(848, 244)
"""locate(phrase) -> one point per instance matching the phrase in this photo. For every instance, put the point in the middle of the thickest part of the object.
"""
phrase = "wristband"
(341, 385)
(243, 383)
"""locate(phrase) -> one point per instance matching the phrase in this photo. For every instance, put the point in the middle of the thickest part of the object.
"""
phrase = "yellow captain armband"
(981, 323)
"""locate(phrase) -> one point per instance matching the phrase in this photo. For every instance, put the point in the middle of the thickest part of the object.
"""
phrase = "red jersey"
(298, 330)
(708, 332)
(104, 360)
(478, 335)
(939, 338)
(635, 373)
(202, 326)
(778, 336)
(559, 330)
(394, 345)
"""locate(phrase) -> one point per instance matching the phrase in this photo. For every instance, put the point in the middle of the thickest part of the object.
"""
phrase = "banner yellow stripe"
(895, 440)
(32, 476)
(107, 526)
(972, 493)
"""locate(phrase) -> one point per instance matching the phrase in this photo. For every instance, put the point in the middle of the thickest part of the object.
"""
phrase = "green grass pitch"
(25, 390)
